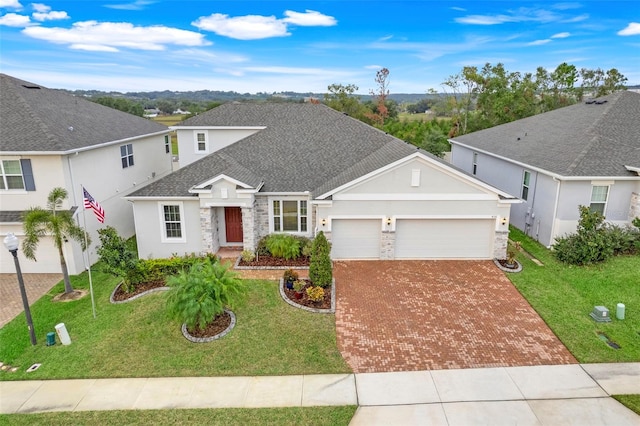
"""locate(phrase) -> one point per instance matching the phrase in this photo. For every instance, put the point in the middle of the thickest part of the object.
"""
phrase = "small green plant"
(290, 276)
(315, 293)
(202, 293)
(320, 267)
(247, 256)
(298, 285)
(118, 259)
(511, 257)
(283, 245)
(307, 249)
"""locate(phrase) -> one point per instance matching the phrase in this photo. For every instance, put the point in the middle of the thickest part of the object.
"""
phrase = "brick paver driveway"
(36, 285)
(428, 315)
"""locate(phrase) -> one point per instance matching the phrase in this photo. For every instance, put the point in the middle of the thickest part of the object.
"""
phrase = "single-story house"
(53, 139)
(251, 169)
(584, 154)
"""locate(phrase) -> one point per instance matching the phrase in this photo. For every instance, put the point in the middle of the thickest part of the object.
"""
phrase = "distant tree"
(121, 104)
(342, 98)
(57, 223)
(381, 112)
(601, 83)
(464, 87)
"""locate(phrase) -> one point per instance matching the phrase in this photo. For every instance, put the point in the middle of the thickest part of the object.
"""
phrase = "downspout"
(555, 212)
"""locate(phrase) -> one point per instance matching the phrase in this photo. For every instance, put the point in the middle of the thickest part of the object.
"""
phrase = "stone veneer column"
(500, 244)
(634, 208)
(261, 219)
(208, 230)
(249, 240)
(388, 245)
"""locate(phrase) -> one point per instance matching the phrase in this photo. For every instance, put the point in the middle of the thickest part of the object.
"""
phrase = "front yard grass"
(564, 295)
(319, 416)
(137, 339)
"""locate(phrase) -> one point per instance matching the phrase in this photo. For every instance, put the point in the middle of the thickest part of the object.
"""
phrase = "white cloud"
(522, 14)
(136, 5)
(249, 27)
(561, 35)
(50, 16)
(539, 42)
(459, 9)
(310, 18)
(632, 29)
(14, 20)
(373, 67)
(10, 4)
(109, 36)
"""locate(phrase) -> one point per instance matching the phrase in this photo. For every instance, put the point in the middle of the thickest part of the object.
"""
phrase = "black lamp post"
(11, 243)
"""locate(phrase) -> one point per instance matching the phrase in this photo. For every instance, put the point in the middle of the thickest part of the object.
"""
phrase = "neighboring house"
(252, 169)
(52, 139)
(585, 154)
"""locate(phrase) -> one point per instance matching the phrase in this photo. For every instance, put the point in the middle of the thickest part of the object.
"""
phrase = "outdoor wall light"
(388, 221)
(504, 221)
(323, 222)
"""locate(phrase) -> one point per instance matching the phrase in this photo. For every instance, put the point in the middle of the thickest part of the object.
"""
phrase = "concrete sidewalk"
(558, 394)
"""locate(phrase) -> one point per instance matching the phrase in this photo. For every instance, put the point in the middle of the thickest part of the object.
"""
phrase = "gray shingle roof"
(304, 147)
(595, 139)
(34, 118)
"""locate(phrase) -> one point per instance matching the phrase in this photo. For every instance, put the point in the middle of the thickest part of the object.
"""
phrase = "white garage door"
(355, 238)
(444, 239)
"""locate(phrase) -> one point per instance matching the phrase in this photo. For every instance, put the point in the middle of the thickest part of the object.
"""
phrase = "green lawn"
(564, 295)
(137, 339)
(316, 416)
(630, 401)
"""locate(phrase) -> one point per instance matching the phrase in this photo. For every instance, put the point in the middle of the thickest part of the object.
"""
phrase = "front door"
(233, 224)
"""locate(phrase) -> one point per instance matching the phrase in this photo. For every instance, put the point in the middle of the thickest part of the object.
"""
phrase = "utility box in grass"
(600, 314)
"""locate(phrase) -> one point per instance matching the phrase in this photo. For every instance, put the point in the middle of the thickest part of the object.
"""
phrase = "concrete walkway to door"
(432, 315)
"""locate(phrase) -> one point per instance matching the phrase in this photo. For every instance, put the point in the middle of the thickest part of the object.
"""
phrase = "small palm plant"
(56, 222)
(202, 293)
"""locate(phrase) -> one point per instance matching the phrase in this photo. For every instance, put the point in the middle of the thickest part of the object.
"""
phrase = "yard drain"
(608, 341)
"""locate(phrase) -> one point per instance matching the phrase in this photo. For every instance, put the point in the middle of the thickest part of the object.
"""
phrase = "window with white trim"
(599, 196)
(167, 144)
(289, 215)
(475, 163)
(11, 175)
(526, 178)
(201, 142)
(172, 217)
(126, 155)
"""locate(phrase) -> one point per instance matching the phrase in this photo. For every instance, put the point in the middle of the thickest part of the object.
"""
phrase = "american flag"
(91, 203)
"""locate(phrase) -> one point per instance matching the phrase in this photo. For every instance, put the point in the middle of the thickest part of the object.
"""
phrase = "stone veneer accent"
(634, 208)
(209, 230)
(261, 217)
(500, 244)
(387, 245)
(249, 240)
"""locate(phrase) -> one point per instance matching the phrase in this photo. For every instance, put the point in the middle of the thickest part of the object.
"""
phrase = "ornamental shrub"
(315, 293)
(117, 256)
(320, 267)
(283, 245)
(203, 292)
(595, 241)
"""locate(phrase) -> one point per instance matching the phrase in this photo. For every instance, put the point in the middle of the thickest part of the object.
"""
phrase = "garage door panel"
(444, 239)
(355, 238)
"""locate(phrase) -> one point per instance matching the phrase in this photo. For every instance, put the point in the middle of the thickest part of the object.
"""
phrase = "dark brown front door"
(233, 223)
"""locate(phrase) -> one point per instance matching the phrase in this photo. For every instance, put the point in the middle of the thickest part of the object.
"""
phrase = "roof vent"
(601, 102)
(26, 86)
(590, 101)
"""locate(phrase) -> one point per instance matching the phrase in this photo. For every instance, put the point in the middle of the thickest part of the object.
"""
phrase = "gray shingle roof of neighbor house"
(36, 119)
(587, 139)
(304, 147)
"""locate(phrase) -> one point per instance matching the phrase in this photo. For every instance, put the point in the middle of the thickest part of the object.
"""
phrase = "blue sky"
(304, 46)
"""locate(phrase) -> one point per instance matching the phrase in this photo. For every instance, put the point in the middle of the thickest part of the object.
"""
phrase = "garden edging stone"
(190, 338)
(137, 296)
(306, 308)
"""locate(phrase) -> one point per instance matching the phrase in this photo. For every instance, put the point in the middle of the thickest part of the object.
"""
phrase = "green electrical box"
(51, 338)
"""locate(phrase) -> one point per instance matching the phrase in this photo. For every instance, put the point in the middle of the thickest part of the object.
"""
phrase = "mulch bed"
(121, 295)
(217, 326)
(305, 301)
(504, 264)
(266, 261)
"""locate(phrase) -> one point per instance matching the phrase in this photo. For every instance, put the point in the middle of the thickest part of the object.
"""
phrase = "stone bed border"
(137, 296)
(331, 310)
(502, 268)
(248, 268)
(192, 339)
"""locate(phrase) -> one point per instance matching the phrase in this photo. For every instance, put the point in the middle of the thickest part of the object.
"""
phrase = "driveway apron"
(36, 285)
(430, 315)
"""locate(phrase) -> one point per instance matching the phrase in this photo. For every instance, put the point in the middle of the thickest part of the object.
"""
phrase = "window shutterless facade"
(289, 215)
(599, 196)
(201, 142)
(526, 178)
(11, 175)
(126, 155)
(172, 219)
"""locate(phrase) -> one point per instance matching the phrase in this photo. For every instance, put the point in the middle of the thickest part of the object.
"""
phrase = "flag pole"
(86, 243)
